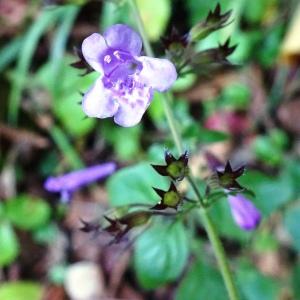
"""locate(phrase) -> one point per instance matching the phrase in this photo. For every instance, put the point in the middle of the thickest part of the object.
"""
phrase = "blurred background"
(247, 112)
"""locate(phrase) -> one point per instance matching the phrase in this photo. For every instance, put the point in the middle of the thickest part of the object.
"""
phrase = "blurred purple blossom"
(244, 213)
(125, 88)
(70, 182)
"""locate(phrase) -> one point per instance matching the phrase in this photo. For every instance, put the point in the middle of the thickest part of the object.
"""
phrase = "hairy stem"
(208, 224)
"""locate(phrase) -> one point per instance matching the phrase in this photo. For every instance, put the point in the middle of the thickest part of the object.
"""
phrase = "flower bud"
(244, 213)
(177, 169)
(169, 199)
(227, 178)
(215, 20)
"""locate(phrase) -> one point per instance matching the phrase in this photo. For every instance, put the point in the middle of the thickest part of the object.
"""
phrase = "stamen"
(107, 59)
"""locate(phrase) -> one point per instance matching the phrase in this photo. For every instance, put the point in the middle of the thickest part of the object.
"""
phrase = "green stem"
(172, 123)
(220, 254)
(147, 46)
(208, 224)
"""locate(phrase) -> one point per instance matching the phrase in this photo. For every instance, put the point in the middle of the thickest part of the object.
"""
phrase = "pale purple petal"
(93, 48)
(158, 73)
(98, 102)
(70, 182)
(244, 213)
(130, 113)
(53, 184)
(123, 37)
(65, 196)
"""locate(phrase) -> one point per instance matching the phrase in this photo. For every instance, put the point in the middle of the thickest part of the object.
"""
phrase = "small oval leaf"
(161, 254)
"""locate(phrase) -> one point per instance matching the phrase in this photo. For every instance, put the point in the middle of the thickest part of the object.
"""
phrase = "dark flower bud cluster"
(175, 45)
(215, 20)
(118, 227)
(227, 177)
(176, 169)
(182, 50)
(214, 55)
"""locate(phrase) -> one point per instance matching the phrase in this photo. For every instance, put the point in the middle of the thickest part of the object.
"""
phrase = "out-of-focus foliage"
(21, 291)
(246, 111)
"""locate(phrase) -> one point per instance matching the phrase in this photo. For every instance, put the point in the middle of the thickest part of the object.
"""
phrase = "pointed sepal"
(169, 199)
(215, 20)
(227, 178)
(177, 169)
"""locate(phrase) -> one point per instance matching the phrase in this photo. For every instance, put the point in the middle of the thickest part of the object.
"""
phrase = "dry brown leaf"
(23, 137)
(288, 114)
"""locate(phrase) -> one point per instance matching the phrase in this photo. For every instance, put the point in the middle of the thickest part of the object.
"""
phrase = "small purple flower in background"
(244, 213)
(68, 183)
(125, 88)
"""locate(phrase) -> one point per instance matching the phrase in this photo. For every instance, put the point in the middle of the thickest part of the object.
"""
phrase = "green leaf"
(279, 138)
(70, 113)
(264, 241)
(65, 91)
(236, 96)
(57, 274)
(67, 149)
(155, 15)
(255, 10)
(9, 246)
(194, 134)
(46, 234)
(293, 167)
(9, 52)
(270, 192)
(114, 13)
(198, 10)
(183, 83)
(268, 51)
(212, 136)
(254, 285)
(126, 141)
(60, 39)
(296, 280)
(263, 146)
(21, 290)
(156, 109)
(247, 42)
(200, 283)
(27, 213)
(161, 254)
(37, 29)
(291, 223)
(222, 217)
(134, 185)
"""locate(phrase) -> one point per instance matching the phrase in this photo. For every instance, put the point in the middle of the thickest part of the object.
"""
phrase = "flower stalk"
(208, 224)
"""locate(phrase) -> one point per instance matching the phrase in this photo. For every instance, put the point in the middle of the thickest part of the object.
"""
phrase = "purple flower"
(245, 214)
(68, 183)
(125, 88)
